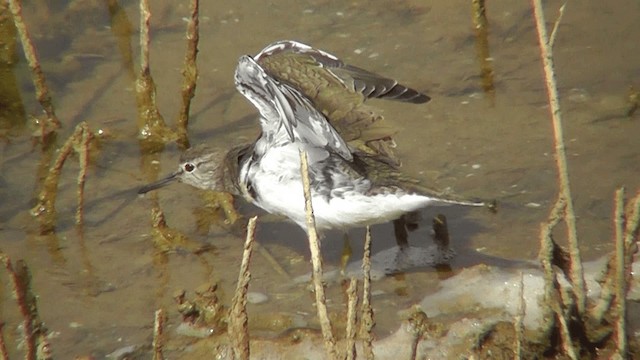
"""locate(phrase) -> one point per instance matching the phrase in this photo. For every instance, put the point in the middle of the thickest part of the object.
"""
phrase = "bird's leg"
(346, 254)
(400, 231)
(441, 238)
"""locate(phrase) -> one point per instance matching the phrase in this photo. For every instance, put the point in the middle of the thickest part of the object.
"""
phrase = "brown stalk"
(481, 25)
(4, 354)
(620, 276)
(151, 125)
(122, 30)
(632, 227)
(316, 261)
(546, 52)
(608, 293)
(519, 321)
(145, 18)
(352, 296)
(418, 324)
(158, 334)
(45, 208)
(42, 90)
(33, 330)
(552, 289)
(238, 329)
(83, 151)
(190, 74)
(367, 322)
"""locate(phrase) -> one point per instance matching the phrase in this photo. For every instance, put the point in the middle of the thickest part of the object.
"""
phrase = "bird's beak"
(160, 183)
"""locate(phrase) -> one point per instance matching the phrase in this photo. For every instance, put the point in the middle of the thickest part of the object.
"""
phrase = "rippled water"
(98, 289)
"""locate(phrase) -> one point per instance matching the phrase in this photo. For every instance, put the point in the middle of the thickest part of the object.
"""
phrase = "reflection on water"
(98, 289)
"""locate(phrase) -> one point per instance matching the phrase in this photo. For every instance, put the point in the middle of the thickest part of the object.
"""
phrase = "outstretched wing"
(339, 91)
(286, 114)
(353, 78)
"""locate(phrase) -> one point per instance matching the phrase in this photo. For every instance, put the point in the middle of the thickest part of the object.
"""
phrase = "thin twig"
(4, 354)
(238, 320)
(45, 208)
(577, 272)
(552, 297)
(633, 226)
(83, 158)
(122, 30)
(190, 74)
(519, 320)
(552, 38)
(481, 25)
(151, 126)
(352, 296)
(621, 280)
(608, 290)
(316, 261)
(158, 333)
(565, 334)
(20, 290)
(42, 91)
(367, 322)
(145, 18)
(417, 324)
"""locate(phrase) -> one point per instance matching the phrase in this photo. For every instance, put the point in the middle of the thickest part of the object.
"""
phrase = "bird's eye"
(189, 167)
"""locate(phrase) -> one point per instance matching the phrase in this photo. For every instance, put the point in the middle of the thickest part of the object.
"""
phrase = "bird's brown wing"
(339, 90)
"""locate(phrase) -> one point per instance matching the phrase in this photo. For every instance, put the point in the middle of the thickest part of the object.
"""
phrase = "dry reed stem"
(621, 272)
(546, 52)
(122, 30)
(546, 254)
(607, 294)
(145, 18)
(632, 227)
(552, 288)
(20, 288)
(603, 305)
(45, 208)
(190, 74)
(4, 354)
(481, 25)
(42, 91)
(151, 125)
(316, 261)
(417, 325)
(554, 32)
(238, 329)
(352, 296)
(83, 152)
(367, 322)
(565, 333)
(158, 334)
(519, 320)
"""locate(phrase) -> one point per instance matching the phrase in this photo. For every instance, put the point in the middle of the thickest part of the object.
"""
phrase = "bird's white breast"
(278, 186)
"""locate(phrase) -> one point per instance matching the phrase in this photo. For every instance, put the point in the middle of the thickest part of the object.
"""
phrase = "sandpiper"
(310, 100)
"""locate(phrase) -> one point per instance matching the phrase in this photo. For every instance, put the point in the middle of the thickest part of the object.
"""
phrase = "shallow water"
(99, 288)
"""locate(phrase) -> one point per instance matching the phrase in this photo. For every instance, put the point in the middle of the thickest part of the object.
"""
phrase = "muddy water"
(99, 288)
